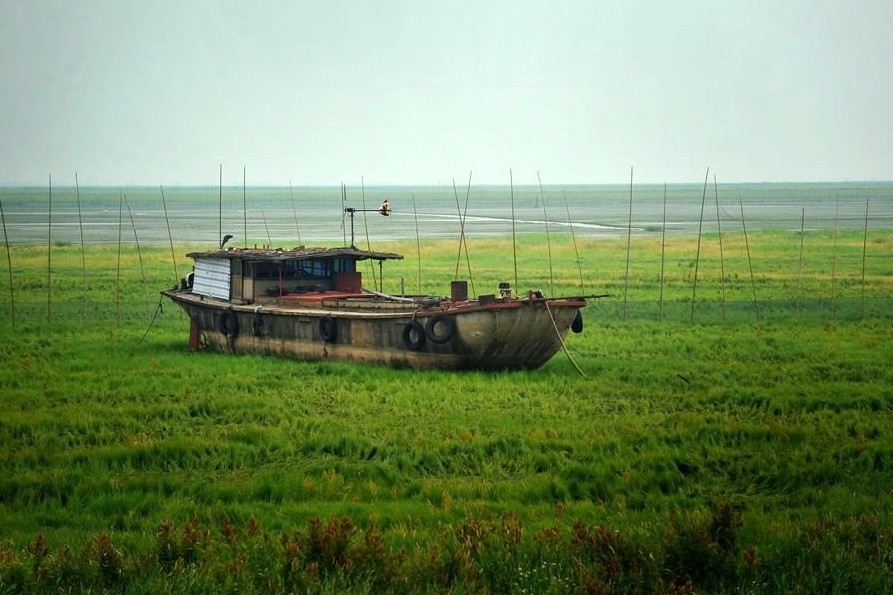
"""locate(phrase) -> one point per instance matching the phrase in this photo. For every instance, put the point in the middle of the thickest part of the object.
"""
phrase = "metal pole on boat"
(418, 245)
(244, 211)
(548, 239)
(220, 208)
(514, 243)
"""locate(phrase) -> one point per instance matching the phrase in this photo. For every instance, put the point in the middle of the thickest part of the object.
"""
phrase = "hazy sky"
(396, 92)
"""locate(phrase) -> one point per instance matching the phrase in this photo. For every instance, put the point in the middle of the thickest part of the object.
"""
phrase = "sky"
(425, 92)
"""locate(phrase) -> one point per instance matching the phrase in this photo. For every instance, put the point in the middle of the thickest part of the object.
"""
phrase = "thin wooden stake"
(753, 286)
(139, 254)
(462, 242)
(12, 300)
(83, 255)
(834, 253)
(864, 251)
(694, 287)
(118, 274)
(663, 251)
(170, 236)
(722, 265)
(570, 224)
(49, 251)
(548, 239)
(263, 216)
(800, 261)
(295, 211)
(629, 239)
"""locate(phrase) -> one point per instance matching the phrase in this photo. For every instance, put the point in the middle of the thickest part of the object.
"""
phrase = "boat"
(309, 303)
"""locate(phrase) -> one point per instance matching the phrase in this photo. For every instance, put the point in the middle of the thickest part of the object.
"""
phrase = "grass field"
(740, 442)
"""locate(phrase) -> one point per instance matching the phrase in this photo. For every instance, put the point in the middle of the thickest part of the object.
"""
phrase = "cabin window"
(301, 269)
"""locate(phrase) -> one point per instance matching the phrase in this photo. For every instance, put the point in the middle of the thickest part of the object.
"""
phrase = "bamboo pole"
(118, 274)
(366, 227)
(263, 216)
(244, 211)
(629, 239)
(800, 260)
(834, 252)
(694, 287)
(464, 239)
(49, 250)
(663, 250)
(722, 266)
(83, 254)
(864, 251)
(514, 238)
(753, 286)
(418, 246)
(343, 211)
(139, 254)
(462, 242)
(170, 236)
(548, 239)
(570, 224)
(294, 210)
(220, 207)
(12, 301)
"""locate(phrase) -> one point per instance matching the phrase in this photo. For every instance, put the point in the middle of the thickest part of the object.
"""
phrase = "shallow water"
(287, 217)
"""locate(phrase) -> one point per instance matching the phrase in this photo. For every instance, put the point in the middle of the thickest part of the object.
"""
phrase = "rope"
(560, 340)
(158, 310)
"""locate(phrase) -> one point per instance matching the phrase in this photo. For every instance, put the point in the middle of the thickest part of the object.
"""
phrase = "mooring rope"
(158, 310)
(560, 340)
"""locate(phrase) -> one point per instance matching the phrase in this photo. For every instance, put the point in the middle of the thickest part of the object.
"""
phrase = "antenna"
(384, 209)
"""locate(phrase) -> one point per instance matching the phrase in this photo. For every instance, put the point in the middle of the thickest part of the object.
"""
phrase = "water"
(309, 215)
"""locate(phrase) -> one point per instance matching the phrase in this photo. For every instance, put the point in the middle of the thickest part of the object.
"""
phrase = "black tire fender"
(228, 323)
(413, 336)
(328, 328)
(440, 328)
(577, 324)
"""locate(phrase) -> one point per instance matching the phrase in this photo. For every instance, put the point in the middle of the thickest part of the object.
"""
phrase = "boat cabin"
(252, 275)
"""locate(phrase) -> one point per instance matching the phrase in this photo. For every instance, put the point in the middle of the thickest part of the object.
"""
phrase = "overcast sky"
(400, 92)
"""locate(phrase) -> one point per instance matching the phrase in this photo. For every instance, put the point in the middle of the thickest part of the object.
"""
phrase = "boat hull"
(497, 335)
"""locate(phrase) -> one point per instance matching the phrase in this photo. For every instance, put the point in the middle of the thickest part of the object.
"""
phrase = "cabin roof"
(297, 253)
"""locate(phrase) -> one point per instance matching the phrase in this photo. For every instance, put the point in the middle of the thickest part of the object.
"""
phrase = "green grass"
(748, 450)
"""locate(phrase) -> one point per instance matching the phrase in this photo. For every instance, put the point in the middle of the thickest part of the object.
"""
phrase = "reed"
(730, 455)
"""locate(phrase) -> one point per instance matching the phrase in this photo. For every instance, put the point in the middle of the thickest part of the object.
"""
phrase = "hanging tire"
(577, 324)
(413, 336)
(228, 323)
(440, 328)
(328, 328)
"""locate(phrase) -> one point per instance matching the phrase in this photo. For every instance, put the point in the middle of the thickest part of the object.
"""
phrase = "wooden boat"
(310, 304)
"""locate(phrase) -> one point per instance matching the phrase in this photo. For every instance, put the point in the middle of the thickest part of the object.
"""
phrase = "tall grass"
(747, 454)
